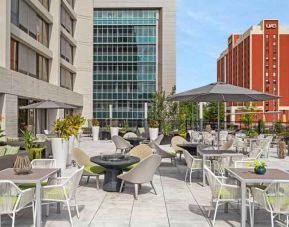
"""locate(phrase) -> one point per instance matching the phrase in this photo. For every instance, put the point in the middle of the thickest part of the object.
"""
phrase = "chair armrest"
(26, 197)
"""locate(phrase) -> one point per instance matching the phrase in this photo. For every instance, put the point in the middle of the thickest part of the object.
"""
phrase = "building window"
(274, 43)
(267, 74)
(42, 68)
(13, 55)
(267, 36)
(45, 3)
(274, 74)
(24, 17)
(274, 36)
(66, 50)
(26, 61)
(66, 21)
(66, 79)
(274, 66)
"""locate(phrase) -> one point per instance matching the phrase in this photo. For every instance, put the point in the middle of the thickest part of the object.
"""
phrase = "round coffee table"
(134, 141)
(114, 165)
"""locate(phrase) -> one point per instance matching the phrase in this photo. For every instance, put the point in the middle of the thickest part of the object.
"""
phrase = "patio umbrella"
(221, 92)
(48, 105)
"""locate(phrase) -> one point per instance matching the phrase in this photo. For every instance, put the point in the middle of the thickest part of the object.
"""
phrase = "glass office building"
(124, 62)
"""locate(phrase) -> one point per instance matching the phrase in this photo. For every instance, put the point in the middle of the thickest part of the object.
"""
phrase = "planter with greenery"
(75, 122)
(95, 129)
(34, 150)
(153, 129)
(167, 132)
(114, 129)
(252, 133)
(260, 167)
(60, 145)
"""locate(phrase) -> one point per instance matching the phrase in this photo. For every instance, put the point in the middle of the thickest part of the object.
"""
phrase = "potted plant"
(153, 129)
(260, 167)
(167, 131)
(252, 133)
(114, 129)
(75, 123)
(34, 151)
(60, 145)
(95, 129)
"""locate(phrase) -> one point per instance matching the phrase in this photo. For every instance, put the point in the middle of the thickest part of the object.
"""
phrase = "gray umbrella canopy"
(48, 105)
(221, 92)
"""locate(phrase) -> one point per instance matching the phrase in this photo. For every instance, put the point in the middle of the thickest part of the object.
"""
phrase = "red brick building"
(259, 59)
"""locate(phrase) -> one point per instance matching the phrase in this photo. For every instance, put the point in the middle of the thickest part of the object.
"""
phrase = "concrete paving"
(177, 203)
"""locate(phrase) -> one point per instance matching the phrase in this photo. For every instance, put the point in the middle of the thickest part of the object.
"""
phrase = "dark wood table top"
(248, 174)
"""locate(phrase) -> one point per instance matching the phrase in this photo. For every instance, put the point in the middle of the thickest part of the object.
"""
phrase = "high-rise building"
(86, 53)
(258, 59)
(45, 54)
(133, 56)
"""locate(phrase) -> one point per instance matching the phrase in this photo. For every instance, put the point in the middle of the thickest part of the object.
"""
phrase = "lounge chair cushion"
(94, 169)
(30, 185)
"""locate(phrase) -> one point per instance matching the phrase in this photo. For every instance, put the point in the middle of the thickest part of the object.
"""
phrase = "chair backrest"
(188, 158)
(178, 140)
(72, 183)
(9, 193)
(129, 135)
(141, 151)
(227, 145)
(255, 153)
(223, 135)
(80, 157)
(159, 139)
(244, 164)
(159, 150)
(120, 143)
(277, 195)
(43, 163)
(228, 160)
(145, 170)
(214, 183)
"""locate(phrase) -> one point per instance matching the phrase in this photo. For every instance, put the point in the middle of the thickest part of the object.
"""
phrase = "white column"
(201, 115)
(145, 110)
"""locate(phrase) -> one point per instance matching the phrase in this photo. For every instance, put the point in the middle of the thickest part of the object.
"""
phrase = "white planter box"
(114, 131)
(60, 148)
(154, 132)
(95, 133)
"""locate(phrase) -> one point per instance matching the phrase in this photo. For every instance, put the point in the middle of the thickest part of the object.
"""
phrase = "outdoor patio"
(177, 203)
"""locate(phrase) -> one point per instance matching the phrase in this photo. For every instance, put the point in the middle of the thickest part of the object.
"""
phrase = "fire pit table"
(114, 165)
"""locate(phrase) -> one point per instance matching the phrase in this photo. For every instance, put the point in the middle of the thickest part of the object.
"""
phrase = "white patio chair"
(208, 138)
(165, 154)
(121, 144)
(225, 161)
(178, 140)
(13, 199)
(194, 164)
(227, 145)
(158, 141)
(129, 135)
(196, 137)
(63, 189)
(222, 192)
(273, 199)
(223, 136)
(43, 163)
(142, 173)
(255, 154)
(264, 144)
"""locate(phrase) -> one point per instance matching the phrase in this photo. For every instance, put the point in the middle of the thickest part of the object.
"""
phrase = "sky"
(203, 27)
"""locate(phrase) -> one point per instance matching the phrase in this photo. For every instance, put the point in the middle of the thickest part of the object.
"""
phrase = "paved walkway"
(176, 204)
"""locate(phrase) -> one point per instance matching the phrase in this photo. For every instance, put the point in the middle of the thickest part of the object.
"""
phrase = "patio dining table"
(36, 176)
(190, 147)
(247, 176)
(213, 153)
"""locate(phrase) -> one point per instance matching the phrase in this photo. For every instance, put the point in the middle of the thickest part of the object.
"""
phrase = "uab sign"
(271, 26)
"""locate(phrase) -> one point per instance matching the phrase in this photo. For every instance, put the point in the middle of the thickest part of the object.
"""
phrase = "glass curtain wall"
(125, 59)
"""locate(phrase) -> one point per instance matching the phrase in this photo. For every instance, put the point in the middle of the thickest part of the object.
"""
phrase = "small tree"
(249, 114)
(211, 112)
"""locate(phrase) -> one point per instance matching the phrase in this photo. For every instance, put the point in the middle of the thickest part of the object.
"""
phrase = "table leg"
(204, 176)
(58, 204)
(38, 204)
(243, 204)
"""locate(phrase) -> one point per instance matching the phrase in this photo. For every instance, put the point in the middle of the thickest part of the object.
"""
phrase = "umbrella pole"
(218, 143)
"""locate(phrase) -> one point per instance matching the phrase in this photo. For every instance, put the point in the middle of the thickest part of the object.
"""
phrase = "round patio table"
(114, 165)
(134, 141)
